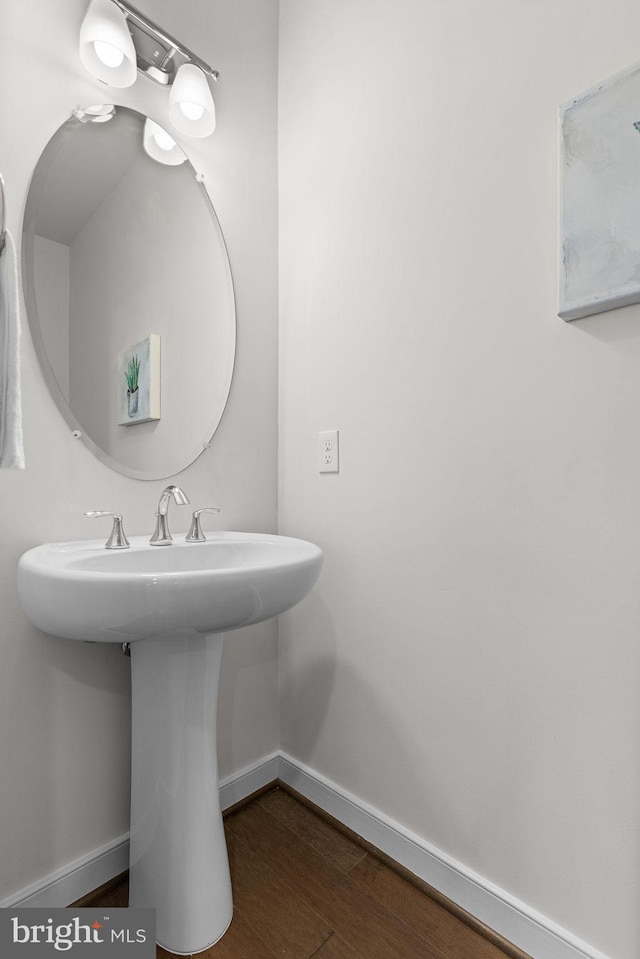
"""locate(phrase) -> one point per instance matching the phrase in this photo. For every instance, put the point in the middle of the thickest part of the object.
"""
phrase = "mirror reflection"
(129, 292)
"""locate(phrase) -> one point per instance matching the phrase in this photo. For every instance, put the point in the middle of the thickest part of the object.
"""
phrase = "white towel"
(11, 448)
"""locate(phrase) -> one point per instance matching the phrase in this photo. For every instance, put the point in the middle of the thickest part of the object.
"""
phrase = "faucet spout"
(162, 536)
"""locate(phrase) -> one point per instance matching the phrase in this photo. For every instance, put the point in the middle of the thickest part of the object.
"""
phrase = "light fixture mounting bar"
(158, 71)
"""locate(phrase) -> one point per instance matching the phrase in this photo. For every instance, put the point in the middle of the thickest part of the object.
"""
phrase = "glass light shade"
(106, 47)
(160, 146)
(191, 107)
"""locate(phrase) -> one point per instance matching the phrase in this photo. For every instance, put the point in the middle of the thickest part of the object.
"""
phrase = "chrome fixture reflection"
(162, 536)
(116, 41)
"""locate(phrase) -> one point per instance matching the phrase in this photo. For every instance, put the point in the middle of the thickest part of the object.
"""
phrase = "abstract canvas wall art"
(600, 198)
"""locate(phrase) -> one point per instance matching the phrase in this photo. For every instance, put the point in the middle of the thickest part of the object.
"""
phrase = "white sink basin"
(172, 604)
(83, 591)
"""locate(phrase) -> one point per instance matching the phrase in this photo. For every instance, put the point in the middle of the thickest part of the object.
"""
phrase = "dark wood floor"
(304, 889)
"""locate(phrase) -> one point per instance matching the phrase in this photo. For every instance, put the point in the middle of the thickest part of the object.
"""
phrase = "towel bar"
(2, 214)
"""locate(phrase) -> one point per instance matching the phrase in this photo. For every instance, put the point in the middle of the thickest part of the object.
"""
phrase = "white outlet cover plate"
(328, 452)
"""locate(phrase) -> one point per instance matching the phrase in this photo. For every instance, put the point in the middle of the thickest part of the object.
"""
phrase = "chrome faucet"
(162, 536)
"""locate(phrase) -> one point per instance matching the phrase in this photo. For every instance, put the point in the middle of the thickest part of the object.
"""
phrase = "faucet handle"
(195, 534)
(117, 539)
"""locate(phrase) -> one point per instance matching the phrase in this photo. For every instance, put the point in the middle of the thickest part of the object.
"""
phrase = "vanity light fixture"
(116, 40)
(160, 146)
(191, 107)
(106, 46)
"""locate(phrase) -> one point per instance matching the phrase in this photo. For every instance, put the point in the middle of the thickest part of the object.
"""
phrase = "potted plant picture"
(131, 376)
(138, 384)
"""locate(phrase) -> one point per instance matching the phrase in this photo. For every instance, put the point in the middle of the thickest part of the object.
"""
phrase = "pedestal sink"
(173, 605)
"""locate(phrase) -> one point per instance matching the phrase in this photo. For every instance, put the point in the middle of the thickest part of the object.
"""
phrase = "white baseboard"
(537, 935)
(521, 925)
(85, 874)
(238, 786)
(75, 879)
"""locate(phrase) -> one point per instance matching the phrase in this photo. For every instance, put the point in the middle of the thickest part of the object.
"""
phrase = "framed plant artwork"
(138, 386)
(600, 198)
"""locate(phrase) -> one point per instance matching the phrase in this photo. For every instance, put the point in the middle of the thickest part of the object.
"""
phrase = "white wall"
(64, 707)
(469, 662)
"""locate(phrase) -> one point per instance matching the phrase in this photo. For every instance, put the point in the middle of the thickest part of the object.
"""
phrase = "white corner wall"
(64, 707)
(51, 284)
(469, 662)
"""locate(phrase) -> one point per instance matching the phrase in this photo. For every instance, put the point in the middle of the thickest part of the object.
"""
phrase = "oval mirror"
(128, 291)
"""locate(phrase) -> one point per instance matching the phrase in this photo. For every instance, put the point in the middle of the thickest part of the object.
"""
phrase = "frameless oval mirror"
(129, 293)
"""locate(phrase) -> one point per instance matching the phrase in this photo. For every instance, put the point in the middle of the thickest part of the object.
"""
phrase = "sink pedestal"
(172, 605)
(178, 853)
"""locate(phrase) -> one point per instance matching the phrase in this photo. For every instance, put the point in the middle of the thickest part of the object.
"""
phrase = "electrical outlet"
(328, 458)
